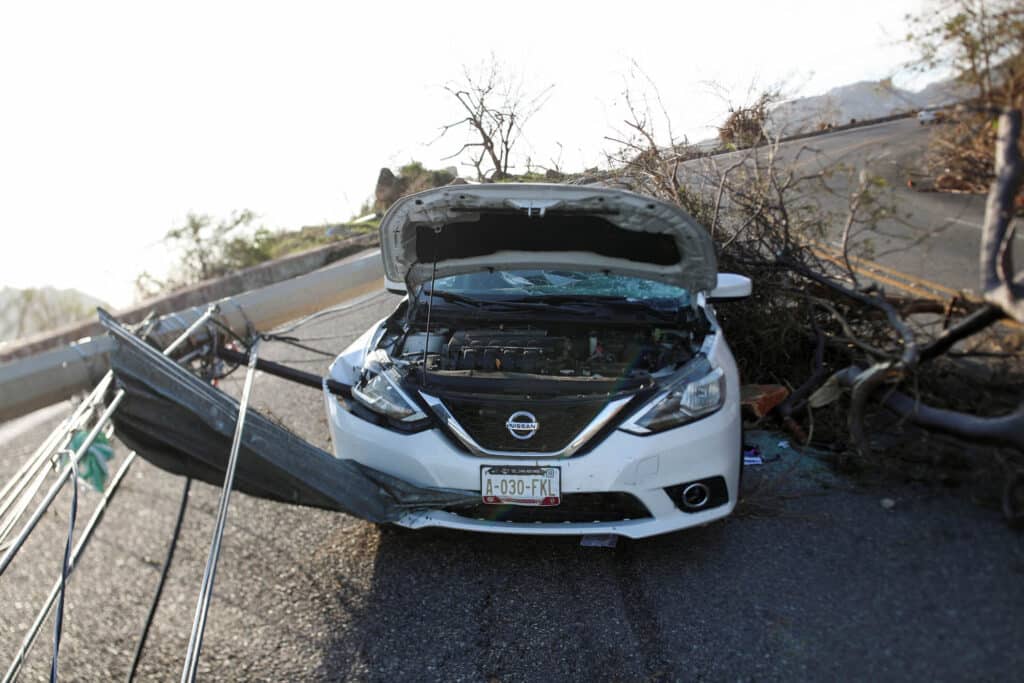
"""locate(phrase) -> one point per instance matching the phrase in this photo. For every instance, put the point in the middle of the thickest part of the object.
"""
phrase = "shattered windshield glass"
(545, 283)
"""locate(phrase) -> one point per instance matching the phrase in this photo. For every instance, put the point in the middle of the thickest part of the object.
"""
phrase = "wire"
(231, 332)
(334, 337)
(58, 619)
(294, 341)
(160, 583)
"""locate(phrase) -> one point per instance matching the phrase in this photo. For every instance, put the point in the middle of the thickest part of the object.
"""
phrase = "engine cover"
(530, 351)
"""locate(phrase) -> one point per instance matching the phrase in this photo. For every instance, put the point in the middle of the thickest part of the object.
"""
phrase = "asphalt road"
(813, 578)
(933, 235)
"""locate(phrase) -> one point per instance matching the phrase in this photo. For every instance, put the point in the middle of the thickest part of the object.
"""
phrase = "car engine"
(567, 350)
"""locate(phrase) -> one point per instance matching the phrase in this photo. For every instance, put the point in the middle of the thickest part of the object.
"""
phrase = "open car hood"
(469, 228)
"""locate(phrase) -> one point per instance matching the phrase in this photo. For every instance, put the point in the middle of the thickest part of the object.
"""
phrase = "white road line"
(971, 224)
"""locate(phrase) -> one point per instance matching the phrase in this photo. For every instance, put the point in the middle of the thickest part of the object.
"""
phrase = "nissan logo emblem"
(522, 425)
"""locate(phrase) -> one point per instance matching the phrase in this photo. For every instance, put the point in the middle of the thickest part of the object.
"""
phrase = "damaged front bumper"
(626, 485)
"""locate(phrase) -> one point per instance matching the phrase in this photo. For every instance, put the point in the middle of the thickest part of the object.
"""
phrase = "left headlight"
(379, 390)
(698, 393)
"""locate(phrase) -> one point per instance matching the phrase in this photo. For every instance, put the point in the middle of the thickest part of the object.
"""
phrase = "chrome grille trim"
(585, 435)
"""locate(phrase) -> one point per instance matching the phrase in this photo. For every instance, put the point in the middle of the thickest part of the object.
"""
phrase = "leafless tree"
(766, 215)
(495, 108)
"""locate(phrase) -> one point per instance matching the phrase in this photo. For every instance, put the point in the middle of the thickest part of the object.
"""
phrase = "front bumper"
(642, 466)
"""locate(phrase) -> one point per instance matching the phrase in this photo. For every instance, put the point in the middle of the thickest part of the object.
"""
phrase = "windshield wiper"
(449, 296)
(605, 300)
(490, 304)
(604, 307)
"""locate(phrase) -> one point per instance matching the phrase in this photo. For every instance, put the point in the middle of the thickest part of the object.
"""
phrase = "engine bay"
(562, 349)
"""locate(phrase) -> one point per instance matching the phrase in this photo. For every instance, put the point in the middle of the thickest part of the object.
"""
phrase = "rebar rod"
(56, 487)
(15, 546)
(53, 442)
(195, 642)
(101, 506)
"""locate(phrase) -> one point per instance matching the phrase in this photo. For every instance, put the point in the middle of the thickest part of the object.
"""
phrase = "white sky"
(116, 119)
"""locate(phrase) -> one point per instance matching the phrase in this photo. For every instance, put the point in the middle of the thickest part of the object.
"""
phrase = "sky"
(118, 119)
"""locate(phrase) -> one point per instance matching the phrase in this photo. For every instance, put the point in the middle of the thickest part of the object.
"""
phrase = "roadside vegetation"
(207, 247)
(982, 43)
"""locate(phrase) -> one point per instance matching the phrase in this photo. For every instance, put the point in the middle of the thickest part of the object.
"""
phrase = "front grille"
(559, 420)
(575, 507)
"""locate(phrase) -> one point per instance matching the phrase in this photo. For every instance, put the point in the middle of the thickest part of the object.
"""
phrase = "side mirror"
(730, 286)
(394, 287)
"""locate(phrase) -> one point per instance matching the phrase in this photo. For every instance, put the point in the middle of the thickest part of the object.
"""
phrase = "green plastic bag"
(93, 465)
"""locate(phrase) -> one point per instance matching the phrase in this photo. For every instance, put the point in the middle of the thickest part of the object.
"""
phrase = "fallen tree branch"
(865, 384)
(971, 325)
(819, 374)
(1005, 430)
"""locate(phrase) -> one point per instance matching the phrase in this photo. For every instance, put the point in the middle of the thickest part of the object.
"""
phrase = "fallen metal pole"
(33, 382)
(30, 637)
(8, 556)
(195, 642)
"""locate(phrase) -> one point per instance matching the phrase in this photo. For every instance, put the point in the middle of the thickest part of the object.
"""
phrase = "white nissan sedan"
(557, 352)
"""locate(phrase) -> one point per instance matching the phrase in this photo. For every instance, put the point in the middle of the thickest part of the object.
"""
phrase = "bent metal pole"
(195, 641)
(55, 489)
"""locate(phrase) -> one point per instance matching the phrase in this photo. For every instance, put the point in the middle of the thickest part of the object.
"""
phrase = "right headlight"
(379, 390)
(699, 392)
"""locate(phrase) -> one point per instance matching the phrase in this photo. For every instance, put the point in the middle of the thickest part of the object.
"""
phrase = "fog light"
(695, 496)
(700, 495)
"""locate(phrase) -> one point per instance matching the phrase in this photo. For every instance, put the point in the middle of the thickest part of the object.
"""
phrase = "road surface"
(936, 235)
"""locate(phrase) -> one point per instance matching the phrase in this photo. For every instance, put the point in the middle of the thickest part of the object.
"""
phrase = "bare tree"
(982, 43)
(496, 107)
(767, 215)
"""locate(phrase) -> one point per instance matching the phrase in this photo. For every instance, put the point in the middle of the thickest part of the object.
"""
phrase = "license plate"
(518, 485)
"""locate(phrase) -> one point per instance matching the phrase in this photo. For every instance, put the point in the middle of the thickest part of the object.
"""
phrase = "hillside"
(28, 311)
(857, 102)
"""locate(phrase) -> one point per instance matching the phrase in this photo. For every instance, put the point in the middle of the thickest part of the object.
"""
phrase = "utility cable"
(139, 646)
(58, 618)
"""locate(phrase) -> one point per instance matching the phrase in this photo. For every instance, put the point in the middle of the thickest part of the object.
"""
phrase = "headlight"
(379, 390)
(699, 392)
